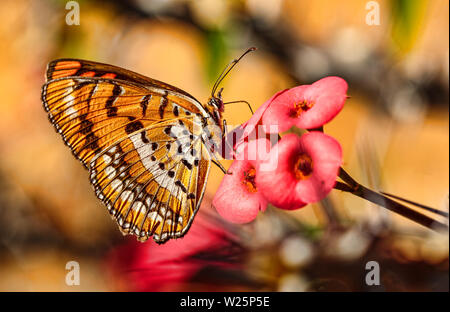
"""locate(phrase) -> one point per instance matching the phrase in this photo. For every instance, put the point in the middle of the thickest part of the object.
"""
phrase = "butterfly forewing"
(74, 67)
(140, 139)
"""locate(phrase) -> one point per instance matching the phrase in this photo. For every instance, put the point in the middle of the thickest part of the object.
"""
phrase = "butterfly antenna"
(241, 101)
(227, 69)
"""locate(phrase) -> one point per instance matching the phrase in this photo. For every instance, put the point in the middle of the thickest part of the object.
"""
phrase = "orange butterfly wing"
(131, 134)
(74, 67)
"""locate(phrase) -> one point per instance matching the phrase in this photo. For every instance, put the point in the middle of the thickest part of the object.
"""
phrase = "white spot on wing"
(71, 112)
(152, 215)
(117, 185)
(113, 149)
(144, 150)
(110, 172)
(68, 99)
(138, 207)
(127, 196)
(106, 159)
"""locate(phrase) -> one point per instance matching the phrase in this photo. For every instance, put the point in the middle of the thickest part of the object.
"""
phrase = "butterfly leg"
(218, 164)
(225, 127)
(228, 146)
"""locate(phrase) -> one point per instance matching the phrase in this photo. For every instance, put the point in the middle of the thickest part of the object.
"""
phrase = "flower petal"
(251, 124)
(326, 98)
(281, 110)
(152, 267)
(282, 188)
(328, 95)
(326, 154)
(249, 130)
(233, 201)
(278, 184)
(254, 151)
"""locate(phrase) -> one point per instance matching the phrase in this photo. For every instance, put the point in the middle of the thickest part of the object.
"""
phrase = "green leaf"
(408, 17)
(217, 53)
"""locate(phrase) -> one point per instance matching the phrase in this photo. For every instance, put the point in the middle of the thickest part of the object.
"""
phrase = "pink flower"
(252, 128)
(256, 120)
(238, 198)
(306, 171)
(148, 266)
(307, 106)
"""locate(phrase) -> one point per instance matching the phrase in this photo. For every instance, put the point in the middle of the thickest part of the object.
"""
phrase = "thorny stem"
(353, 187)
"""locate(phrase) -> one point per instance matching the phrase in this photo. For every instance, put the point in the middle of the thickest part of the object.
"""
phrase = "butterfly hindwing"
(153, 180)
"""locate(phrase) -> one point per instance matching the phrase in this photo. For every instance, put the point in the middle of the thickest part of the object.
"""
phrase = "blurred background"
(393, 130)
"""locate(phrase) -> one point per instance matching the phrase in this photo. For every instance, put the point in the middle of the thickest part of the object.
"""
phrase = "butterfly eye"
(214, 102)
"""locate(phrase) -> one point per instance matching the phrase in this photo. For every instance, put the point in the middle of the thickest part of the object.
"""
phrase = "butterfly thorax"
(215, 108)
(213, 129)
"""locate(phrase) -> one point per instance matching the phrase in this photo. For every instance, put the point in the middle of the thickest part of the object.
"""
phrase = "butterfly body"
(147, 144)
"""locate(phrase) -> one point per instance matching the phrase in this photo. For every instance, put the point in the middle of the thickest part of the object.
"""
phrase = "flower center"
(303, 167)
(301, 107)
(249, 180)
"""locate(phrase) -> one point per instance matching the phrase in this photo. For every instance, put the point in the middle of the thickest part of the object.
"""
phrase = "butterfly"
(148, 145)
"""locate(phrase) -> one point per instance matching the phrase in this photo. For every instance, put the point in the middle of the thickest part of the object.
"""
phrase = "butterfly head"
(215, 107)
